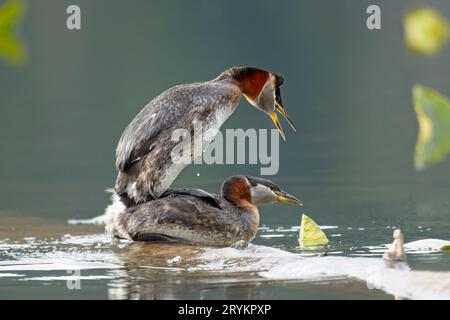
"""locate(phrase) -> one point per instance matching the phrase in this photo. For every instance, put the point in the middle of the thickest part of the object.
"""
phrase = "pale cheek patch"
(262, 194)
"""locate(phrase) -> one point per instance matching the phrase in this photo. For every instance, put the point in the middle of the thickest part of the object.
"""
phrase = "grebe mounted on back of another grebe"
(196, 216)
(143, 155)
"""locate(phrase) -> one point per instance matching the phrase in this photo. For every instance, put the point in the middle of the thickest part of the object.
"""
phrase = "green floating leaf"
(426, 31)
(310, 233)
(446, 248)
(433, 114)
(12, 49)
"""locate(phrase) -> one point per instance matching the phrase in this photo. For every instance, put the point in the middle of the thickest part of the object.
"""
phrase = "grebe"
(196, 216)
(143, 154)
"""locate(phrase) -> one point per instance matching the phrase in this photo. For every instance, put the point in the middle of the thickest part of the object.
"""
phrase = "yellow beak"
(278, 125)
(286, 197)
(281, 110)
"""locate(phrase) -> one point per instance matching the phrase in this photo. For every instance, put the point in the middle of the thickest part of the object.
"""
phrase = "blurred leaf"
(426, 31)
(310, 233)
(446, 248)
(12, 49)
(433, 115)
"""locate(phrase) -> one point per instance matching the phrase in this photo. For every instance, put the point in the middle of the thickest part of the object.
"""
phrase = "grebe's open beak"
(279, 107)
(275, 120)
(286, 197)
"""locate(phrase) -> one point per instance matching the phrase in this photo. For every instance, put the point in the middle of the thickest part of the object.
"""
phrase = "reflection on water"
(118, 269)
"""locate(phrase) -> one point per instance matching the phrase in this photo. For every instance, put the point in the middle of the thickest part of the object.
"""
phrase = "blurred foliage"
(433, 114)
(446, 248)
(426, 30)
(310, 234)
(12, 49)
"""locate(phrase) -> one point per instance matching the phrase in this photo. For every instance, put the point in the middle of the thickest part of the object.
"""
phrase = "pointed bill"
(281, 110)
(278, 125)
(286, 197)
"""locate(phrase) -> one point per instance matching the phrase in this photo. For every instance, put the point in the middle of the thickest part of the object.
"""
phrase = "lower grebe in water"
(196, 216)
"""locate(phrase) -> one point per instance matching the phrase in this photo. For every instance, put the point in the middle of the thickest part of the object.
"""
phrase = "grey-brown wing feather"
(210, 198)
(140, 134)
(168, 111)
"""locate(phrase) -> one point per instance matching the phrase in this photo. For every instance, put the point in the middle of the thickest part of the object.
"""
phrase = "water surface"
(49, 263)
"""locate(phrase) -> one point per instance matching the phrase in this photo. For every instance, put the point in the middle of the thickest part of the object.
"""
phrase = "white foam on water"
(163, 268)
(52, 264)
(68, 278)
(10, 275)
(86, 240)
(9, 246)
(328, 227)
(271, 236)
(416, 247)
(67, 253)
(98, 220)
(294, 228)
(276, 264)
(431, 245)
(94, 252)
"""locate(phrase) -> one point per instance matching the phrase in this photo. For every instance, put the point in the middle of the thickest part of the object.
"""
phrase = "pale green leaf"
(426, 30)
(433, 115)
(310, 233)
(12, 49)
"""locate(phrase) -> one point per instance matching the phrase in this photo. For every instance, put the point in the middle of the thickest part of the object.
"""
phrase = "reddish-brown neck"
(237, 191)
(250, 80)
